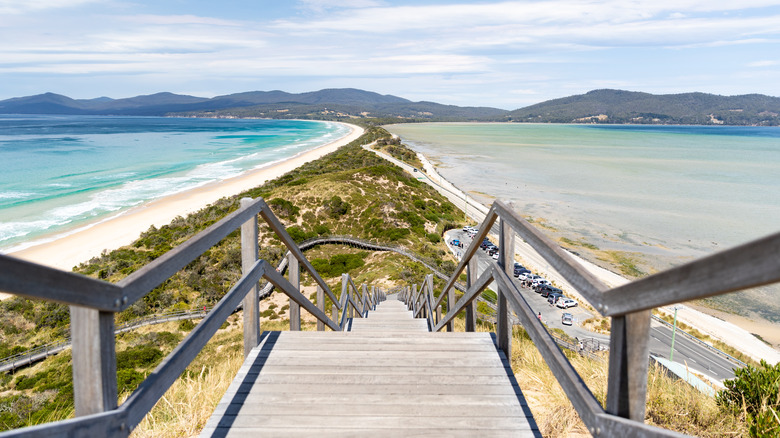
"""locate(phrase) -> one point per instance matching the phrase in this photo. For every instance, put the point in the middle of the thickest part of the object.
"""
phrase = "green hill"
(617, 106)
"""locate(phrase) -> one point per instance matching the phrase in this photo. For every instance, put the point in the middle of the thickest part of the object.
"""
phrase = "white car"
(539, 281)
(524, 276)
(565, 303)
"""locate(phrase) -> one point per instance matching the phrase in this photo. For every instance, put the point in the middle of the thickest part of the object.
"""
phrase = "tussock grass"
(190, 401)
(671, 403)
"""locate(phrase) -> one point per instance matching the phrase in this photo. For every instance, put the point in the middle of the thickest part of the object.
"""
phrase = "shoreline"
(731, 329)
(77, 246)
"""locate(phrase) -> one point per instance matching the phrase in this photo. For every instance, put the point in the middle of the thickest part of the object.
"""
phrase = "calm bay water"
(61, 172)
(666, 193)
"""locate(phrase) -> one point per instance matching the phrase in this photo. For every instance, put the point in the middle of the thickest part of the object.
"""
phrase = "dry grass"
(190, 401)
(671, 404)
(188, 404)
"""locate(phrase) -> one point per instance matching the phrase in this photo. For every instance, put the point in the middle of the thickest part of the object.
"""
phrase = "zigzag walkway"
(388, 376)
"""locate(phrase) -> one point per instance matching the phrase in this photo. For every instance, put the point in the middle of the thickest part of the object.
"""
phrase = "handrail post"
(436, 313)
(321, 306)
(628, 352)
(94, 360)
(345, 290)
(450, 303)
(472, 273)
(251, 303)
(506, 259)
(294, 272)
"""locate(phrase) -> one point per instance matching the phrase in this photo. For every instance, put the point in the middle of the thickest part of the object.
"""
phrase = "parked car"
(495, 256)
(538, 283)
(554, 297)
(546, 290)
(519, 272)
(565, 303)
(567, 319)
(456, 242)
(524, 276)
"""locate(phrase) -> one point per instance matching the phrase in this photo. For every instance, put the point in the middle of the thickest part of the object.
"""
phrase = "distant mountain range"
(324, 104)
(598, 106)
(617, 106)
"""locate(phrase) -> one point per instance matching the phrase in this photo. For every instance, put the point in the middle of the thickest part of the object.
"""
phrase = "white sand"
(70, 250)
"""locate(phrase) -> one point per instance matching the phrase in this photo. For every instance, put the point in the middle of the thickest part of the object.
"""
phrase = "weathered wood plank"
(254, 403)
(140, 282)
(294, 277)
(36, 281)
(249, 248)
(484, 229)
(94, 361)
(750, 265)
(314, 422)
(150, 390)
(358, 432)
(288, 241)
(397, 381)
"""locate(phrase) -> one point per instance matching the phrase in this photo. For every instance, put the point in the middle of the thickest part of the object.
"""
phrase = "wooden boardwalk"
(388, 376)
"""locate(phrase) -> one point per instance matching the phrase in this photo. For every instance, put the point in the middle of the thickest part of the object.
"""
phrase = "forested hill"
(617, 106)
(328, 104)
(349, 104)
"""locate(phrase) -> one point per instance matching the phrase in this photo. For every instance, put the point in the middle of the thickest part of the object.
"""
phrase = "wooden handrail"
(37, 281)
(484, 230)
(753, 264)
(104, 299)
(288, 241)
(140, 282)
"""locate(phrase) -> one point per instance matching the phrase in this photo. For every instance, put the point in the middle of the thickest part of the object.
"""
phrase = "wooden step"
(387, 377)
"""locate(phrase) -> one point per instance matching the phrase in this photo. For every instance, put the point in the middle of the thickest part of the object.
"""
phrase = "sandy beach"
(70, 250)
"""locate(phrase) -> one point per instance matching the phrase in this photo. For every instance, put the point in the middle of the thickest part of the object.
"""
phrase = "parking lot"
(551, 315)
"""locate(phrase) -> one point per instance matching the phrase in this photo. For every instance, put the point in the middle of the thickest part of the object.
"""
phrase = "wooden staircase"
(388, 376)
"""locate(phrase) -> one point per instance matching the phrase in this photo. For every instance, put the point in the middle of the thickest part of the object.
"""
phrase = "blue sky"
(505, 54)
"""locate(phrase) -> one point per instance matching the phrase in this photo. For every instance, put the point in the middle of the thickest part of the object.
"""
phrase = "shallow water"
(670, 193)
(61, 172)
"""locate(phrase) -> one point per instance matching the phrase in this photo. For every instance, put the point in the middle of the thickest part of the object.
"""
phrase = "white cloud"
(13, 7)
(765, 63)
(320, 6)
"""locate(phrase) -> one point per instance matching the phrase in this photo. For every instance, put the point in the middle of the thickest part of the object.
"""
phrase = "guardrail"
(93, 304)
(749, 265)
(702, 343)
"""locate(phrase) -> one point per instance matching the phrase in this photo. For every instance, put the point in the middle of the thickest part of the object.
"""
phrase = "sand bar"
(70, 250)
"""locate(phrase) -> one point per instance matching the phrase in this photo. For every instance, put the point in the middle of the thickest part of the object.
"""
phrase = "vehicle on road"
(519, 272)
(456, 242)
(553, 297)
(565, 303)
(567, 319)
(539, 283)
(525, 276)
(546, 290)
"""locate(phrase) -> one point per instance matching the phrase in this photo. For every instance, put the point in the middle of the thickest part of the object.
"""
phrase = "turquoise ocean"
(60, 173)
(662, 194)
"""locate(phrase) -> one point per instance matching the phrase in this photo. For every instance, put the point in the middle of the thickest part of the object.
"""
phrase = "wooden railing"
(749, 265)
(93, 304)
